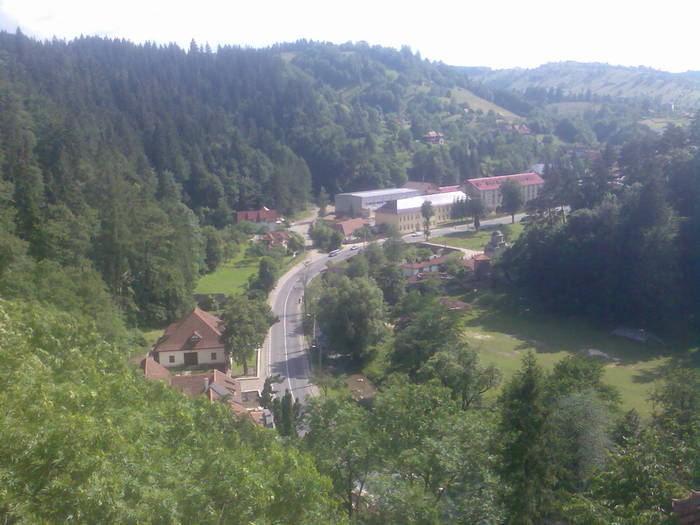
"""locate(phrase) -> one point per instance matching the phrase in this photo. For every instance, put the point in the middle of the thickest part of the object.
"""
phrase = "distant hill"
(680, 89)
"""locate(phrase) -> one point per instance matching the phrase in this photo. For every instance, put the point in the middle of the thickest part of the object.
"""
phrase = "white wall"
(203, 356)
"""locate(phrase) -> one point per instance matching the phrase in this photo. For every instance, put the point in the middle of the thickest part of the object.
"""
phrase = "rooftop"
(380, 193)
(412, 203)
(198, 330)
(488, 183)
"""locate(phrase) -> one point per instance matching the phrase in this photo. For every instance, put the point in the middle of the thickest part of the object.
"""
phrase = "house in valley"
(215, 385)
(349, 227)
(264, 214)
(434, 265)
(276, 238)
(193, 340)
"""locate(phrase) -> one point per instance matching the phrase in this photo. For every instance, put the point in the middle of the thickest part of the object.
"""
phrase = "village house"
(264, 214)
(405, 214)
(349, 227)
(276, 238)
(432, 265)
(488, 189)
(215, 385)
(479, 265)
(191, 341)
(433, 137)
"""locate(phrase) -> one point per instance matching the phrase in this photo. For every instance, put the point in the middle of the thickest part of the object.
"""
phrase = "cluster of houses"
(193, 342)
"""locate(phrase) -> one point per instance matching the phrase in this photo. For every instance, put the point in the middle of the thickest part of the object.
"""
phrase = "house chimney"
(206, 384)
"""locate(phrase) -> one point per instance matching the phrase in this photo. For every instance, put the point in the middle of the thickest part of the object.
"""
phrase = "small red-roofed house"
(262, 215)
(193, 340)
(349, 227)
(488, 189)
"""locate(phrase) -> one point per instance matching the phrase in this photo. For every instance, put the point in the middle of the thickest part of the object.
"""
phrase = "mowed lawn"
(230, 277)
(503, 334)
(472, 240)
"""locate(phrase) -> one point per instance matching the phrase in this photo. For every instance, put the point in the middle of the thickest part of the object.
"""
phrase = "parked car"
(333, 253)
(354, 247)
(415, 234)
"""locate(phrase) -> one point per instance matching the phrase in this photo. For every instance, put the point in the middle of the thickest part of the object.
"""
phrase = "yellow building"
(406, 215)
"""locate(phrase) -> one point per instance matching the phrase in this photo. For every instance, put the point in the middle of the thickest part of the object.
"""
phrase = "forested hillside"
(121, 162)
(575, 78)
(121, 169)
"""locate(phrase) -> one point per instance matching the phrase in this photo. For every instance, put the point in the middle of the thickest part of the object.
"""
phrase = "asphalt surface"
(286, 352)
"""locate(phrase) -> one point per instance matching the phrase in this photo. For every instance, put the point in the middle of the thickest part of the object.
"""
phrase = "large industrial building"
(406, 215)
(488, 189)
(360, 203)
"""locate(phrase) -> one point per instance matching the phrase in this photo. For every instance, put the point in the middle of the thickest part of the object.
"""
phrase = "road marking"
(284, 328)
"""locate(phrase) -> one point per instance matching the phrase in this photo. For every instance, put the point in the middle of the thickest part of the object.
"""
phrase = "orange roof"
(152, 369)
(198, 330)
(489, 183)
(349, 226)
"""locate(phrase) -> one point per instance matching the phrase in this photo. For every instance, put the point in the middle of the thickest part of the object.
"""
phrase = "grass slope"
(503, 330)
(464, 96)
(231, 277)
(601, 79)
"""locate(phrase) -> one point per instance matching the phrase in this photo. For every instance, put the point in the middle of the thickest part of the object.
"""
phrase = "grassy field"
(502, 332)
(464, 96)
(477, 240)
(659, 124)
(231, 277)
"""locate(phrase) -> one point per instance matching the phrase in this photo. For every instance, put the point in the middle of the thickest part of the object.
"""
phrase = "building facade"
(406, 215)
(192, 341)
(356, 204)
(488, 189)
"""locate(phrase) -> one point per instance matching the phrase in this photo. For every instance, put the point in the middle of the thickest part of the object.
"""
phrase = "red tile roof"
(489, 183)
(349, 227)
(152, 369)
(425, 264)
(262, 215)
(447, 189)
(276, 238)
(198, 330)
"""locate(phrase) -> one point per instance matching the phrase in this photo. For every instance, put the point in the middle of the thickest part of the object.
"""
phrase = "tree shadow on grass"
(519, 319)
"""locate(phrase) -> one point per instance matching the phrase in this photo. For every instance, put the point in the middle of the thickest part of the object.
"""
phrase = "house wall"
(412, 220)
(492, 197)
(204, 357)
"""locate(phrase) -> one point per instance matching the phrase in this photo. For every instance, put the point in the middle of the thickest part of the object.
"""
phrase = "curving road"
(284, 352)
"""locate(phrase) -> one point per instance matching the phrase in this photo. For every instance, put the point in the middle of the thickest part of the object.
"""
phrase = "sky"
(494, 33)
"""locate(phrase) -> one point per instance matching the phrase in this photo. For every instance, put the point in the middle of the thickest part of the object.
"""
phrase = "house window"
(213, 356)
(171, 359)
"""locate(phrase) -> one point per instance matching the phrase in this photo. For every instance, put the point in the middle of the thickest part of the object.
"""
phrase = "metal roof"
(436, 199)
(379, 193)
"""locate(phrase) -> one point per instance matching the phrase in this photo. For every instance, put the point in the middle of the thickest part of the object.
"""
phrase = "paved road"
(284, 352)
(286, 346)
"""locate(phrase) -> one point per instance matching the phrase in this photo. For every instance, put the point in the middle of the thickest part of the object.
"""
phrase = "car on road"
(354, 247)
(333, 253)
(415, 234)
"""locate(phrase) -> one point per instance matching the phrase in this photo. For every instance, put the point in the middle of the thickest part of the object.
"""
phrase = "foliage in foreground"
(87, 439)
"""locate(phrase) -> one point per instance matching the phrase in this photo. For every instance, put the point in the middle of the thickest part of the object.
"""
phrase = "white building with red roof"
(488, 189)
(191, 341)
